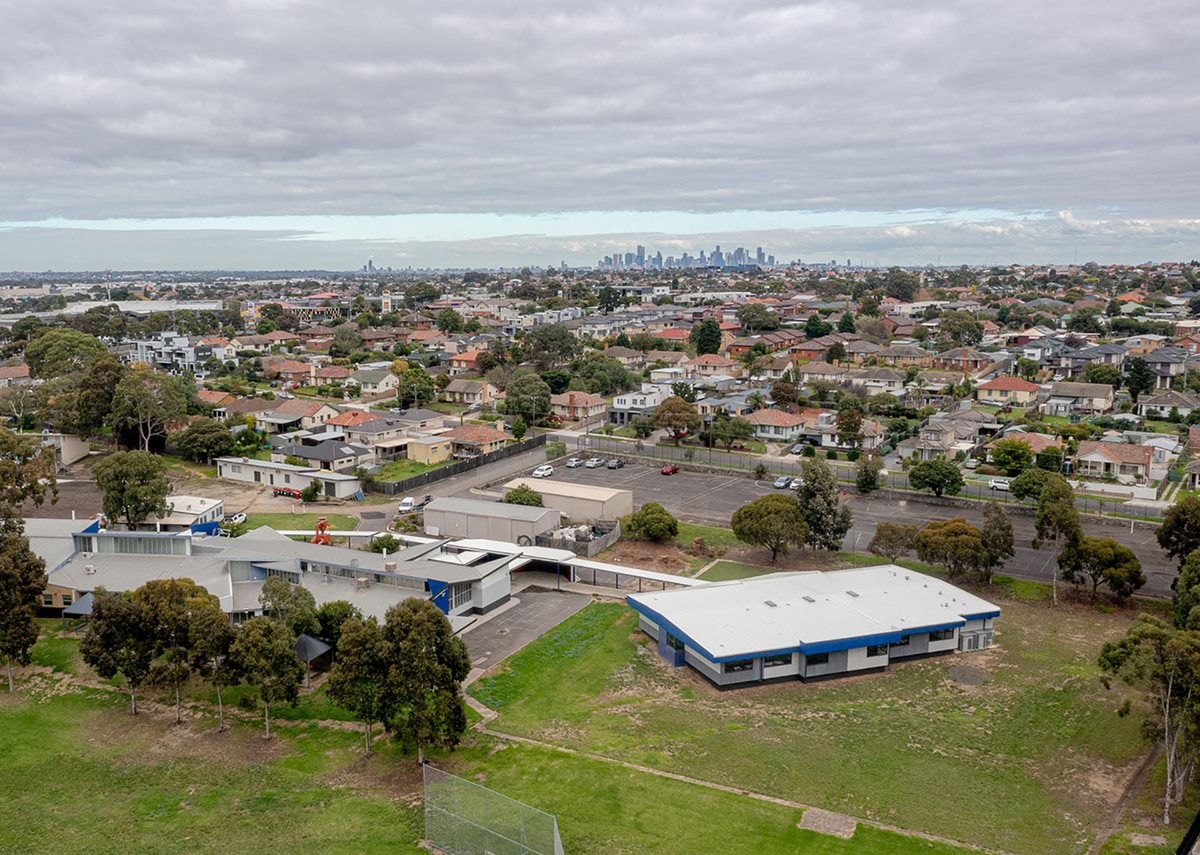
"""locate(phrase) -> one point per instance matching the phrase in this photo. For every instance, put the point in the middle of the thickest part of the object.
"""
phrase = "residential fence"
(466, 818)
(411, 485)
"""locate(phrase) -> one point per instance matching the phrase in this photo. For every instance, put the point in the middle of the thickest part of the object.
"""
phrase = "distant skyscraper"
(759, 255)
(641, 255)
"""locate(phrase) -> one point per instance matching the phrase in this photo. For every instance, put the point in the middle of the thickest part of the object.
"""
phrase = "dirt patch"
(401, 782)
(967, 675)
(1138, 839)
(659, 557)
(827, 822)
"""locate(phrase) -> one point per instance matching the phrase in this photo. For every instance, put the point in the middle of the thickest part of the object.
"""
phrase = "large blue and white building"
(812, 625)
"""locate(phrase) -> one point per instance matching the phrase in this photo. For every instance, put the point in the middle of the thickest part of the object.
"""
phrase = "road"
(711, 500)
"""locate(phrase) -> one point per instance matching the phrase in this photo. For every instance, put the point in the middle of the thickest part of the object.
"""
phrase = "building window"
(739, 665)
(877, 650)
(777, 659)
(460, 595)
(47, 599)
(816, 659)
(674, 643)
(941, 635)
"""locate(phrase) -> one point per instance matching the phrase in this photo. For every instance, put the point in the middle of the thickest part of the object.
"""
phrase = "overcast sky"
(293, 134)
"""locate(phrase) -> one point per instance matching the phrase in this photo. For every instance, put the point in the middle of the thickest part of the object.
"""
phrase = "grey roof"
(81, 607)
(325, 451)
(309, 648)
(478, 507)
(50, 539)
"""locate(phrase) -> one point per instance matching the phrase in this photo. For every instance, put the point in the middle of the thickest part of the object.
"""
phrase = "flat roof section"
(809, 612)
(549, 487)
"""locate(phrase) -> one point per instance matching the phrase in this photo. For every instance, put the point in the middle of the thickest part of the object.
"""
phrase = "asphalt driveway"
(536, 614)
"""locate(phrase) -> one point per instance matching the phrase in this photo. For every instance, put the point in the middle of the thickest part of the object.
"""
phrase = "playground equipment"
(322, 532)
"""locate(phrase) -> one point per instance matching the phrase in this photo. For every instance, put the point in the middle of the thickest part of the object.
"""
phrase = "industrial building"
(580, 503)
(520, 524)
(812, 625)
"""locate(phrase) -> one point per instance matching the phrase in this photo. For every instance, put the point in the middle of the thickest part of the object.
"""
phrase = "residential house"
(329, 455)
(669, 358)
(904, 355)
(861, 350)
(877, 381)
(375, 381)
(946, 435)
(1075, 362)
(578, 406)
(966, 360)
(1037, 442)
(776, 368)
(627, 356)
(1016, 391)
(1119, 461)
(288, 370)
(14, 375)
(473, 440)
(1160, 405)
(473, 393)
(465, 363)
(268, 473)
(289, 415)
(332, 374)
(1069, 398)
(643, 402)
(175, 353)
(709, 364)
(809, 372)
(776, 425)
(1166, 364)
(219, 401)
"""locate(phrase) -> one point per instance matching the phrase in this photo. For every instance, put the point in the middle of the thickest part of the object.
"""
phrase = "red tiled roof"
(1009, 384)
(1118, 452)
(475, 435)
(13, 372)
(352, 418)
(774, 417)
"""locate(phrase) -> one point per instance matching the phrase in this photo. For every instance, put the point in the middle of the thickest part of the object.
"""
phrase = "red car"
(669, 469)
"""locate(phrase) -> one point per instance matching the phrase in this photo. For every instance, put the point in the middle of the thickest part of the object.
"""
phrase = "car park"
(783, 482)
(543, 471)
(670, 469)
(616, 463)
(574, 463)
(1002, 484)
(594, 462)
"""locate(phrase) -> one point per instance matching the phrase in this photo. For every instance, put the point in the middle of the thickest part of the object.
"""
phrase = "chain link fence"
(466, 818)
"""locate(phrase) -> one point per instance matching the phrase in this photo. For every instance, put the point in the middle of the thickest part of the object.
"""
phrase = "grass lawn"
(447, 409)
(305, 522)
(188, 468)
(723, 571)
(398, 470)
(1032, 760)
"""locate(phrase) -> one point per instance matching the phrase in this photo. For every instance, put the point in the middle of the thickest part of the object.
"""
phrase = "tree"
(677, 417)
(549, 345)
(997, 535)
(1050, 459)
(954, 545)
(558, 379)
(450, 321)
(1164, 664)
(835, 353)
(519, 428)
(1099, 372)
(1012, 454)
(528, 396)
(168, 606)
(292, 605)
(785, 396)
(210, 637)
(849, 426)
(1102, 561)
(727, 431)
(653, 522)
(1027, 368)
(22, 580)
(384, 543)
(147, 402)
(58, 352)
(1085, 321)
(203, 439)
(523, 494)
(420, 294)
(135, 486)
(358, 674)
(1186, 596)
(120, 640)
(826, 518)
(756, 317)
(332, 616)
(1029, 484)
(346, 341)
(1179, 534)
(892, 540)
(706, 337)
(642, 427)
(1139, 378)
(1056, 521)
(814, 327)
(866, 477)
(311, 493)
(773, 521)
(936, 475)
(27, 473)
(264, 653)
(684, 390)
(901, 285)
(609, 299)
(846, 322)
(422, 694)
(415, 385)
(960, 328)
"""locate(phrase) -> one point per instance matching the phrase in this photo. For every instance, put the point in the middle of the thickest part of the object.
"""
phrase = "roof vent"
(852, 593)
(89, 569)
(771, 603)
(809, 599)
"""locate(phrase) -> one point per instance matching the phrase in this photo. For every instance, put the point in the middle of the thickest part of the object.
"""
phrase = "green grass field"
(398, 470)
(1027, 762)
(303, 522)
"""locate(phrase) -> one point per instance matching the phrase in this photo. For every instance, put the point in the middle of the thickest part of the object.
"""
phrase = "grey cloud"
(127, 108)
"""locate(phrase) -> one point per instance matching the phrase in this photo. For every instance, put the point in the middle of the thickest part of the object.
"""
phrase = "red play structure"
(322, 535)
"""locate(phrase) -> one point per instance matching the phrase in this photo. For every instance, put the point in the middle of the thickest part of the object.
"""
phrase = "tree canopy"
(677, 417)
(938, 476)
(1179, 534)
(135, 486)
(826, 518)
(773, 521)
(61, 351)
(1102, 561)
(264, 654)
(653, 522)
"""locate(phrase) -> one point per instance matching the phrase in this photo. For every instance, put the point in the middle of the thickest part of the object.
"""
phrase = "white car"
(407, 505)
(236, 519)
(594, 462)
(796, 484)
(1002, 484)
(574, 463)
(543, 471)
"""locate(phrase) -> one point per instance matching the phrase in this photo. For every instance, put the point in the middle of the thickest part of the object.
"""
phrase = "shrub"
(311, 493)
(653, 522)
(831, 455)
(809, 451)
(853, 454)
(555, 450)
(760, 471)
(523, 494)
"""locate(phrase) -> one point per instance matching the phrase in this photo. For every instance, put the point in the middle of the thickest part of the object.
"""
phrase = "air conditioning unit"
(85, 555)
(89, 569)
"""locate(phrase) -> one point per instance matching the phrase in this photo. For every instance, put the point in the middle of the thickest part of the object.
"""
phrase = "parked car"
(236, 519)
(286, 491)
(972, 463)
(798, 448)
(543, 471)
(1002, 484)
(670, 469)
(409, 504)
(796, 484)
(783, 482)
(594, 462)
(574, 463)
(616, 463)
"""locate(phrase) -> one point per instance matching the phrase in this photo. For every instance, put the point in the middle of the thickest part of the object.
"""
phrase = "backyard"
(398, 470)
